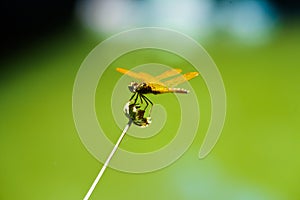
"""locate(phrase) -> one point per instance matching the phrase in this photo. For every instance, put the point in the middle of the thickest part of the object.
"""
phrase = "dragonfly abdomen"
(147, 88)
(178, 90)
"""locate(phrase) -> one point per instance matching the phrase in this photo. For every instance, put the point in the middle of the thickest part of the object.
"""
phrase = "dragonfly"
(156, 84)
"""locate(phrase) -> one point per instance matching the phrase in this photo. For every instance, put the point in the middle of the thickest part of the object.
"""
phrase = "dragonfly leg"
(136, 98)
(141, 98)
(132, 96)
(136, 95)
(147, 102)
(146, 99)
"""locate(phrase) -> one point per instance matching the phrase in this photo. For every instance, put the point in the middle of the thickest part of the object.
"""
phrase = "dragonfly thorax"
(142, 88)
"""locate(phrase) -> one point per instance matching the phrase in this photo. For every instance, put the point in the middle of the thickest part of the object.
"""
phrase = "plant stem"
(87, 196)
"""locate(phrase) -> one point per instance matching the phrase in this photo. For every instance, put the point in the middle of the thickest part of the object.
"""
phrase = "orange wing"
(135, 75)
(139, 75)
(151, 79)
(180, 79)
(169, 73)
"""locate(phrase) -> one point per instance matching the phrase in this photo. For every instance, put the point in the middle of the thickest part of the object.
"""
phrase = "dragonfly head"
(133, 86)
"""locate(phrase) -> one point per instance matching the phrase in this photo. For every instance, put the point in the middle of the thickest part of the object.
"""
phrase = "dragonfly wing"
(140, 76)
(151, 79)
(148, 78)
(168, 74)
(181, 79)
(129, 73)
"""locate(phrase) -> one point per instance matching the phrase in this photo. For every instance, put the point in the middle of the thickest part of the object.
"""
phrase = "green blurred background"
(257, 53)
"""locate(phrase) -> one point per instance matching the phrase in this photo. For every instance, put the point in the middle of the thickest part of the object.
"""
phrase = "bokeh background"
(254, 43)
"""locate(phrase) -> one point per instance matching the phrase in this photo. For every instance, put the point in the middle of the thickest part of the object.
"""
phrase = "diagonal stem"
(87, 196)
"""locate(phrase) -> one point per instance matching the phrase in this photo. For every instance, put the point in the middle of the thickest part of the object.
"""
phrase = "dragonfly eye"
(133, 86)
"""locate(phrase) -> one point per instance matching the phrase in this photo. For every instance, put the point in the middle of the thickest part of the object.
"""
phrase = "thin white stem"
(87, 196)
